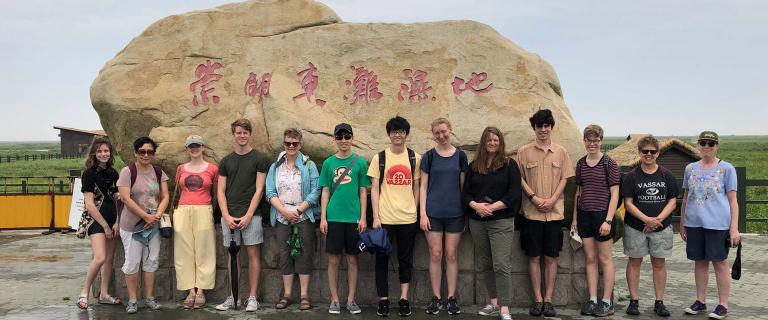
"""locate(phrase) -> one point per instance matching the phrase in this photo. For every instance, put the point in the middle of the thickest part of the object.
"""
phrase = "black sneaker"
(660, 309)
(633, 308)
(604, 309)
(548, 310)
(720, 312)
(588, 308)
(405, 308)
(696, 307)
(383, 310)
(434, 305)
(535, 309)
(452, 306)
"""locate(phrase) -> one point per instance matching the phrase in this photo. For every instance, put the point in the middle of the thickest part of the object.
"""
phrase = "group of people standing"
(440, 193)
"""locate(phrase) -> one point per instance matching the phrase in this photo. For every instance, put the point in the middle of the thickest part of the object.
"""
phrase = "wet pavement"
(41, 277)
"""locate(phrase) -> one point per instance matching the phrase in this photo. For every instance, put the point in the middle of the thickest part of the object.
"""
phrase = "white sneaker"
(252, 304)
(227, 304)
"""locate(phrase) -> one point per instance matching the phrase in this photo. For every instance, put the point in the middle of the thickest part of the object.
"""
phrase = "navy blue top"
(444, 183)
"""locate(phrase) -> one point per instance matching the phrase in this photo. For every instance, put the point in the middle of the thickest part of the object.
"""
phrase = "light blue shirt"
(707, 204)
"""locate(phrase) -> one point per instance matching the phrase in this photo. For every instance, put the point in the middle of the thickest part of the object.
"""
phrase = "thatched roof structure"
(626, 154)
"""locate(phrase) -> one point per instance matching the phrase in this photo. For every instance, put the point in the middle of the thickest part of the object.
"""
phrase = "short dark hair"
(398, 123)
(543, 116)
(142, 141)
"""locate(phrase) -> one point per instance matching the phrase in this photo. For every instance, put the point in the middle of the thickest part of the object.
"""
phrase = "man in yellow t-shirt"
(394, 197)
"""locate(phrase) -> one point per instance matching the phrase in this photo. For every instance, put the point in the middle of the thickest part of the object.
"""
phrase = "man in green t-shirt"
(343, 207)
(240, 187)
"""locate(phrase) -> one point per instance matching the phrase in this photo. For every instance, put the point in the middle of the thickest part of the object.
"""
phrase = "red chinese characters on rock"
(254, 87)
(206, 80)
(418, 87)
(366, 86)
(309, 83)
(459, 85)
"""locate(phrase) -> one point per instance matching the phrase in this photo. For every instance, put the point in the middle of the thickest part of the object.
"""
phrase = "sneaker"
(505, 316)
(152, 304)
(696, 307)
(453, 306)
(535, 309)
(132, 307)
(720, 312)
(660, 309)
(229, 303)
(434, 306)
(633, 308)
(353, 307)
(489, 310)
(334, 308)
(251, 305)
(404, 308)
(604, 309)
(548, 310)
(383, 310)
(588, 308)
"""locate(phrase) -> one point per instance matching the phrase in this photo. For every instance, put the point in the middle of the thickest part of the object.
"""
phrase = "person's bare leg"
(590, 262)
(659, 266)
(98, 246)
(723, 279)
(149, 285)
(605, 256)
(451, 261)
(304, 284)
(106, 268)
(701, 275)
(333, 276)
(633, 277)
(132, 285)
(404, 290)
(254, 268)
(435, 244)
(534, 271)
(550, 274)
(351, 276)
(287, 285)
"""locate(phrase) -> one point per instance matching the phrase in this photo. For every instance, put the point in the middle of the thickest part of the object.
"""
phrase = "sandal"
(283, 303)
(82, 302)
(305, 304)
(199, 301)
(110, 300)
(189, 302)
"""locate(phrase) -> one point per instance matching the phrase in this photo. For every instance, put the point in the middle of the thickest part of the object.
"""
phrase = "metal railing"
(36, 185)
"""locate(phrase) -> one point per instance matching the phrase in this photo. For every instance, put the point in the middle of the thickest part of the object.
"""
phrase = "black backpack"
(583, 160)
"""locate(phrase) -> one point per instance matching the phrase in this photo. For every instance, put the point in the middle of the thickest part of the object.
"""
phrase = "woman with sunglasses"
(100, 192)
(144, 192)
(442, 215)
(292, 189)
(709, 220)
(194, 242)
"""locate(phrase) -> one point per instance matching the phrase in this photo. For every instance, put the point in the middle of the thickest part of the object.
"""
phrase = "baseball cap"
(342, 127)
(194, 139)
(709, 135)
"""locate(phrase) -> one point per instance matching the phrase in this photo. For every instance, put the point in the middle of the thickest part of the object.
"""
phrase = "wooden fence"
(34, 157)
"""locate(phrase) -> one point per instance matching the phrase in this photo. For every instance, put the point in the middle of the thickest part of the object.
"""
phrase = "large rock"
(151, 87)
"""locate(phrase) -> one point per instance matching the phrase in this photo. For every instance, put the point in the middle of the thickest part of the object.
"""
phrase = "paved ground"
(40, 277)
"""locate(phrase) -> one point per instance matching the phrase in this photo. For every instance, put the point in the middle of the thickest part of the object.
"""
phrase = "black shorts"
(707, 244)
(588, 224)
(539, 238)
(447, 225)
(95, 227)
(342, 237)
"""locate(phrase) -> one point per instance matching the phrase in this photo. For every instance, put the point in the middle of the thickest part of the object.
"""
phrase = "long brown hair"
(90, 159)
(479, 163)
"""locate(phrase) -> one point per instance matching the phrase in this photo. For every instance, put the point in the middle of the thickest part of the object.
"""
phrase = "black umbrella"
(233, 250)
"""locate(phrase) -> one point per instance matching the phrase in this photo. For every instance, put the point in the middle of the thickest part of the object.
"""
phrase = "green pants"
(493, 256)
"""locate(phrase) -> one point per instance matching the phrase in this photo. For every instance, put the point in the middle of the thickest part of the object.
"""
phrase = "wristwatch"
(530, 196)
(608, 221)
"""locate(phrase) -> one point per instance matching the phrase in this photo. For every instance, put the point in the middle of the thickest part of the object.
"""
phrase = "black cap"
(342, 127)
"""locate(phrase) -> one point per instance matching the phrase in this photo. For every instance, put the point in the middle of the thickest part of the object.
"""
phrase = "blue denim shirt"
(310, 190)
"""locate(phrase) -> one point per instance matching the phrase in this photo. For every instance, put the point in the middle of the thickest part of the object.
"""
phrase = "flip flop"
(305, 304)
(82, 302)
(199, 301)
(283, 303)
(110, 300)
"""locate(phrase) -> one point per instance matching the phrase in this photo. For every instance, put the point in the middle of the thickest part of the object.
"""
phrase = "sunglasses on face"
(144, 152)
(649, 151)
(194, 145)
(345, 136)
(289, 144)
(707, 143)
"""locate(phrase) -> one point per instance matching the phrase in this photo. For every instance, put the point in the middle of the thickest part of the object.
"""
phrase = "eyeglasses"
(194, 145)
(709, 143)
(593, 141)
(289, 144)
(345, 136)
(398, 132)
(145, 152)
(649, 151)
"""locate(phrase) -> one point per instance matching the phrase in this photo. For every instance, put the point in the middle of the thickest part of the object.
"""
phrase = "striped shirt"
(595, 194)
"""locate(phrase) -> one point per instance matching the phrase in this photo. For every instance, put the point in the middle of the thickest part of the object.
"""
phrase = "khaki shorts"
(638, 244)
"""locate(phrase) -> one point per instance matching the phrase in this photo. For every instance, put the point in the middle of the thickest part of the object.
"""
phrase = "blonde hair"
(440, 121)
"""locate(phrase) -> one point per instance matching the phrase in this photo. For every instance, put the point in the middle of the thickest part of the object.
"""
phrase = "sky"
(667, 67)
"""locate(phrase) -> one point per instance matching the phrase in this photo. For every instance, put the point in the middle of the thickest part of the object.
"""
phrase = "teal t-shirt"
(344, 205)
